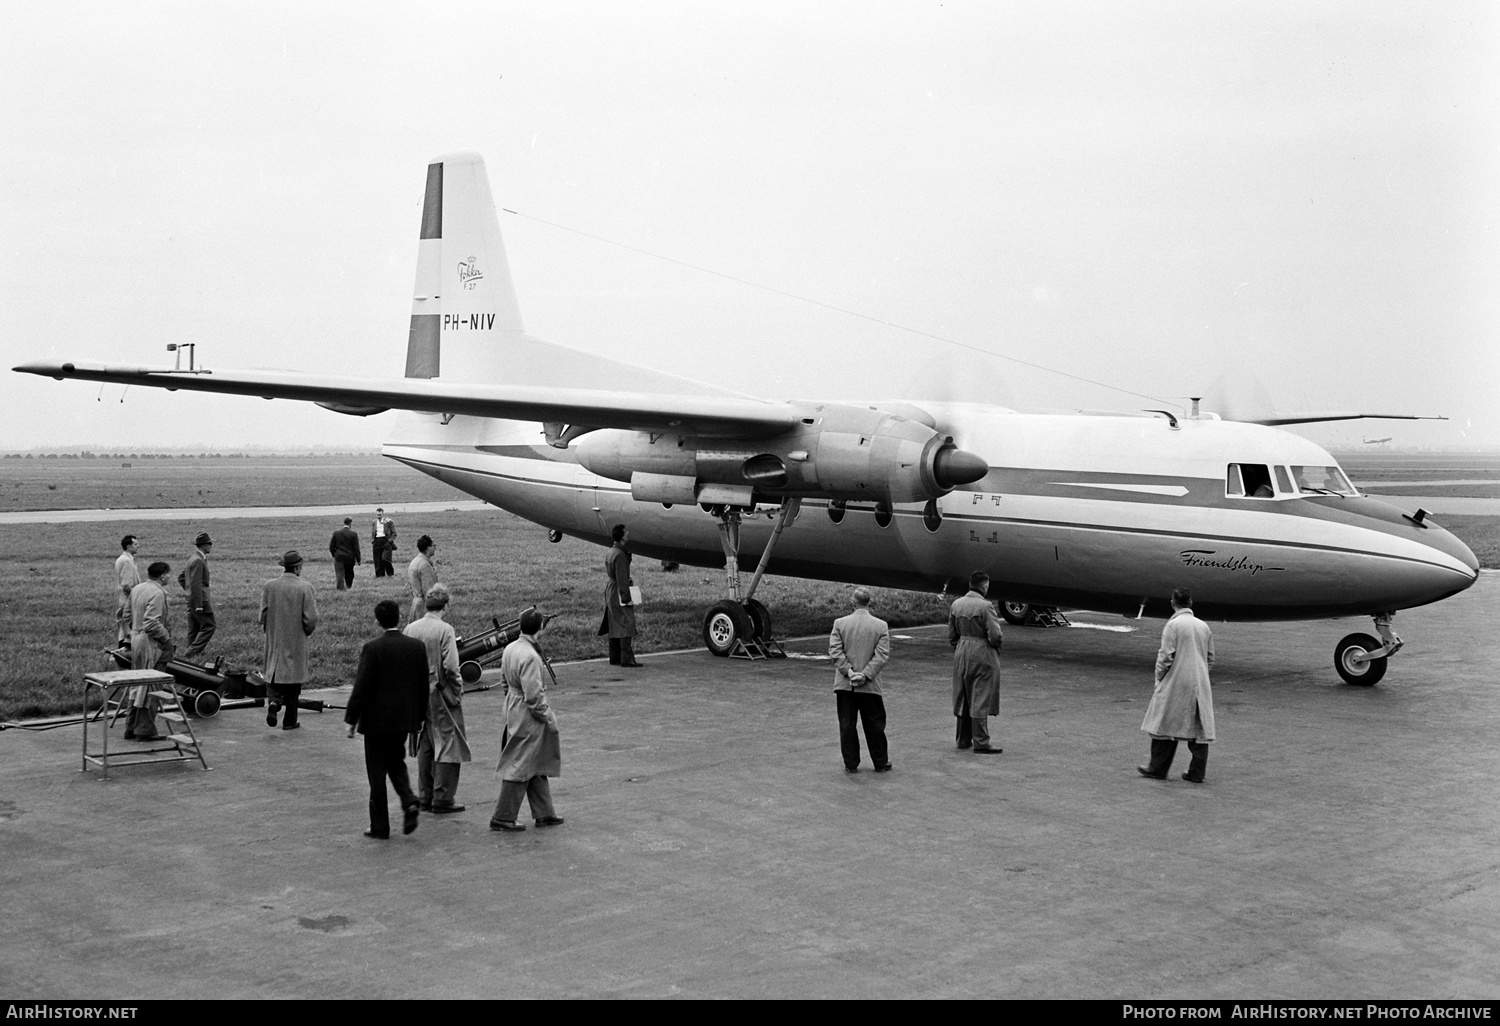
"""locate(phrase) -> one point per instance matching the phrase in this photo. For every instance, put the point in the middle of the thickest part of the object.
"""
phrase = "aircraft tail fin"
(465, 321)
(464, 310)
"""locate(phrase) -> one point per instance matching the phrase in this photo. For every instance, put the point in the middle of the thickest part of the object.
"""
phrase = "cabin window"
(835, 510)
(1249, 479)
(1283, 480)
(882, 514)
(1322, 481)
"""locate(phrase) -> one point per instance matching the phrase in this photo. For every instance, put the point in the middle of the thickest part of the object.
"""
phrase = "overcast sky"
(1303, 197)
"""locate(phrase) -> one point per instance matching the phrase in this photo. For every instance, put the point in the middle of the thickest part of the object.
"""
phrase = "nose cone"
(954, 467)
(1431, 563)
(1446, 543)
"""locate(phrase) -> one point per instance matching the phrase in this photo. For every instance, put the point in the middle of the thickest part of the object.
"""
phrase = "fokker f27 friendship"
(1099, 512)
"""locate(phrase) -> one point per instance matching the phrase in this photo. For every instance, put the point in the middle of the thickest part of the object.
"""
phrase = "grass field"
(369, 480)
(1474, 491)
(56, 578)
(57, 583)
(1373, 467)
(1480, 534)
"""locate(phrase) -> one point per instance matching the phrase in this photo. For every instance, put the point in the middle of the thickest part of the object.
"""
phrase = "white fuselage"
(1099, 512)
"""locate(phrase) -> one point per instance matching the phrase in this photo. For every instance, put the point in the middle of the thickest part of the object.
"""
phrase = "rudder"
(464, 311)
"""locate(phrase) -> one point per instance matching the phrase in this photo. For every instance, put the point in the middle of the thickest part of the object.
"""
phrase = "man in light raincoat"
(1182, 707)
(532, 749)
(444, 745)
(975, 634)
(288, 615)
(150, 647)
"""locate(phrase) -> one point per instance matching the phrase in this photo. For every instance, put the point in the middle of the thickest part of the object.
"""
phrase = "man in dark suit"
(389, 701)
(344, 548)
(382, 544)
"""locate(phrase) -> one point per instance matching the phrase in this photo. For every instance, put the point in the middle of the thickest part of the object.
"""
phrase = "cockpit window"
(1233, 483)
(1284, 482)
(1249, 479)
(1322, 481)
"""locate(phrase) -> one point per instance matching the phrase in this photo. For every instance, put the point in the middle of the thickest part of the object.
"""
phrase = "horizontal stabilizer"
(1283, 419)
(705, 416)
(1242, 397)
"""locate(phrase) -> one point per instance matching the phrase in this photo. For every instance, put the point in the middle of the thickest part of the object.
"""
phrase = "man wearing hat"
(288, 614)
(532, 751)
(201, 623)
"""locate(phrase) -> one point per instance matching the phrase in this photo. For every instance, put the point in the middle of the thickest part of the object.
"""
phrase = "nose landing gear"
(1361, 659)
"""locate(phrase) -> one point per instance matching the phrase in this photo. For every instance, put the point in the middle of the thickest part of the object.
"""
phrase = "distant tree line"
(85, 454)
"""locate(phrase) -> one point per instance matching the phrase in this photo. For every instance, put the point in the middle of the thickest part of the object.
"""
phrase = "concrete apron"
(1346, 842)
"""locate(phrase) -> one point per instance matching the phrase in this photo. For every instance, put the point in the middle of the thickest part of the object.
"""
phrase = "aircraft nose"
(954, 467)
(1449, 544)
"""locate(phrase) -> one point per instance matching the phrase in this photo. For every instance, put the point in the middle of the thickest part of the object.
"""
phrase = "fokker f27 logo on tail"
(469, 273)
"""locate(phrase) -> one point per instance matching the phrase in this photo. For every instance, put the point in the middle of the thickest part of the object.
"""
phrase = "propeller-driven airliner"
(1099, 512)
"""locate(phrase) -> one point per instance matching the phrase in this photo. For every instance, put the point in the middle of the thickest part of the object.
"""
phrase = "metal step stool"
(184, 743)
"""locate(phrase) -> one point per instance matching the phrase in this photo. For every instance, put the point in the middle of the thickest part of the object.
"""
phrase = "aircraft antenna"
(837, 309)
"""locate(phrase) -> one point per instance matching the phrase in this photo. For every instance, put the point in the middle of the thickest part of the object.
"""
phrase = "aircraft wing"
(1283, 419)
(708, 415)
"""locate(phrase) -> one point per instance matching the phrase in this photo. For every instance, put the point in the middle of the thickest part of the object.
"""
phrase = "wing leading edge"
(705, 416)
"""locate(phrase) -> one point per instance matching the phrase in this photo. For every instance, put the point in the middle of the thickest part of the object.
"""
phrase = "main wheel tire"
(725, 623)
(760, 619)
(1015, 613)
(554, 536)
(205, 704)
(1351, 657)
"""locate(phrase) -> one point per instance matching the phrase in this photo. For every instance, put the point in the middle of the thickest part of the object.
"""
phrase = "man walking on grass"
(127, 576)
(344, 548)
(201, 622)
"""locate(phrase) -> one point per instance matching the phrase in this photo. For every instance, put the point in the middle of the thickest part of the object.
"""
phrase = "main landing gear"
(1020, 614)
(1361, 659)
(740, 626)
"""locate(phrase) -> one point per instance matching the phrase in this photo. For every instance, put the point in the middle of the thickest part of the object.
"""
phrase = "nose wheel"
(1361, 659)
(1353, 659)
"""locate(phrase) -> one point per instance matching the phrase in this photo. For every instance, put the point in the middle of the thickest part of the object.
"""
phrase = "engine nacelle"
(838, 451)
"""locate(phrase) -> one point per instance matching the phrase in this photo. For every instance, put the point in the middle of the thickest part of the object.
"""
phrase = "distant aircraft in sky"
(1100, 512)
(1378, 441)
